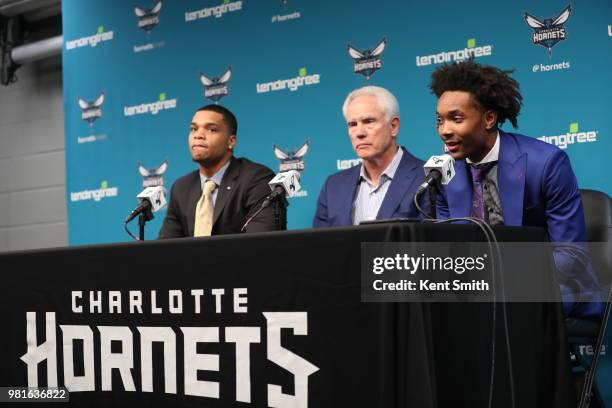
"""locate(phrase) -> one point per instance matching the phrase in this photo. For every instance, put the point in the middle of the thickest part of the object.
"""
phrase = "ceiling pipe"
(38, 50)
(10, 8)
(12, 14)
(8, 2)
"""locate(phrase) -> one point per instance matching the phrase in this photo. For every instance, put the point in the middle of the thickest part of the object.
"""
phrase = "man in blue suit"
(510, 179)
(383, 186)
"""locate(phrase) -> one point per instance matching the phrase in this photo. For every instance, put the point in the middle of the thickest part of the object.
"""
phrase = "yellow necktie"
(204, 211)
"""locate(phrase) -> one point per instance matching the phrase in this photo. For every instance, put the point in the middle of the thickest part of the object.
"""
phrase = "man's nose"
(444, 129)
(359, 131)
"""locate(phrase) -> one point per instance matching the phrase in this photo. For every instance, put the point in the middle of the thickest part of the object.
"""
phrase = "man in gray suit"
(226, 191)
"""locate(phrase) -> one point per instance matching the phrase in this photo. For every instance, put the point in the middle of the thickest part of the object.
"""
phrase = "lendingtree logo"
(226, 6)
(96, 194)
(458, 55)
(163, 103)
(574, 136)
(343, 164)
(92, 40)
(293, 84)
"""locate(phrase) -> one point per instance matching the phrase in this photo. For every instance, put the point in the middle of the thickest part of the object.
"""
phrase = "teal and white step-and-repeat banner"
(134, 72)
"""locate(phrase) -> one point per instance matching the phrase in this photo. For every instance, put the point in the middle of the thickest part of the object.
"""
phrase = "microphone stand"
(433, 192)
(280, 220)
(143, 217)
(432, 183)
(141, 227)
(146, 215)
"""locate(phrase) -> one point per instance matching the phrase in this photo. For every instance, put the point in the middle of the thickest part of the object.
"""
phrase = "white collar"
(391, 168)
(493, 154)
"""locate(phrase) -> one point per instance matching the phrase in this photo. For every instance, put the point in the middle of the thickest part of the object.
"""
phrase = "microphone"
(152, 199)
(438, 169)
(285, 184)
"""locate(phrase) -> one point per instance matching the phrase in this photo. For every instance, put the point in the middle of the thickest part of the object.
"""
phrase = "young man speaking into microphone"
(507, 178)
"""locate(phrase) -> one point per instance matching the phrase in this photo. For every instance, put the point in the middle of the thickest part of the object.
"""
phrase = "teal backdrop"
(133, 78)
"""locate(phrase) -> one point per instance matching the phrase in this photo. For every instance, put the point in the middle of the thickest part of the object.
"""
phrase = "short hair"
(491, 87)
(386, 100)
(228, 116)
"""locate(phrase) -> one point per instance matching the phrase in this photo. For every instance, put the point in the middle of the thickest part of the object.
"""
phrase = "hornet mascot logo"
(91, 111)
(368, 61)
(291, 160)
(549, 32)
(148, 19)
(216, 88)
(153, 177)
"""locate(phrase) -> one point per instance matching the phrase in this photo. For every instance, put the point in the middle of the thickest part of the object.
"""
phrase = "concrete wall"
(32, 160)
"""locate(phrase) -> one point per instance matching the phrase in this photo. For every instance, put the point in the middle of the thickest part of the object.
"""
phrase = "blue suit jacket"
(537, 187)
(335, 204)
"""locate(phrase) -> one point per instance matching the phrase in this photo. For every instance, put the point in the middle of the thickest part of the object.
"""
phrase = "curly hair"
(491, 87)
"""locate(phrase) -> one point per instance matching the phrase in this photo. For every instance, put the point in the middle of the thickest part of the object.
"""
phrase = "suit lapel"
(346, 192)
(511, 179)
(400, 185)
(193, 196)
(227, 187)
(459, 192)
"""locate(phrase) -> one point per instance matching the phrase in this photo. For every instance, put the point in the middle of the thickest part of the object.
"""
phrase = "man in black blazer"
(240, 185)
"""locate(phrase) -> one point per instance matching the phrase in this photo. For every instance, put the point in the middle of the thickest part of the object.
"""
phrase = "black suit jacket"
(243, 188)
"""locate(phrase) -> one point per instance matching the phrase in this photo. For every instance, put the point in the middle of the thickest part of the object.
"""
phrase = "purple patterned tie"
(479, 171)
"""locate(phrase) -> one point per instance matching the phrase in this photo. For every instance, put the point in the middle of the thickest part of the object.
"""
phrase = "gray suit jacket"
(243, 188)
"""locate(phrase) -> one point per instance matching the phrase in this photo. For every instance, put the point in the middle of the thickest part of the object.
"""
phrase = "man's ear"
(231, 142)
(395, 126)
(490, 118)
